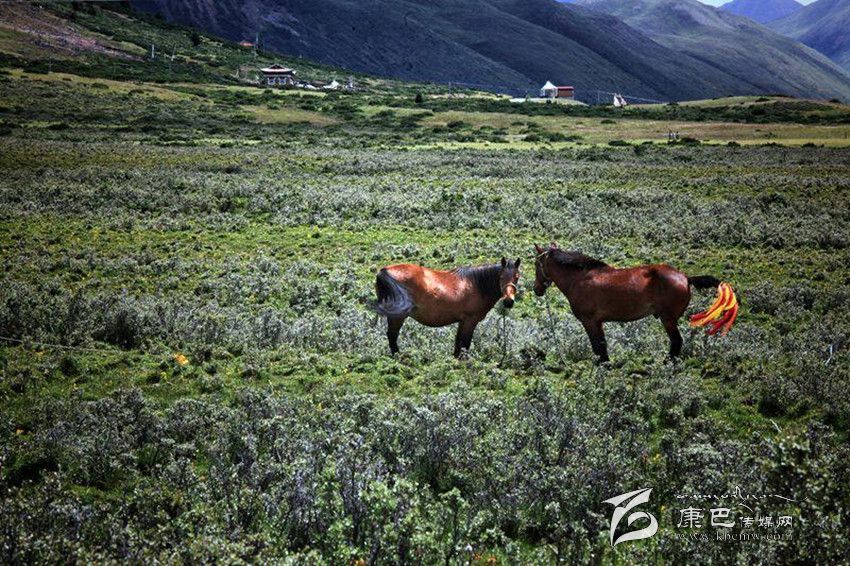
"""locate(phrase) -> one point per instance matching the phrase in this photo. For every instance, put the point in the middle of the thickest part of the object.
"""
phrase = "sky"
(719, 2)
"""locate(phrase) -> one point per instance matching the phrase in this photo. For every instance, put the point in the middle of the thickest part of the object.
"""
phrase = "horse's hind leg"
(672, 328)
(393, 328)
(597, 338)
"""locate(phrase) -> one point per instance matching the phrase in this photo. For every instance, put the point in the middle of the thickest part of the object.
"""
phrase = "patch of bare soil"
(54, 33)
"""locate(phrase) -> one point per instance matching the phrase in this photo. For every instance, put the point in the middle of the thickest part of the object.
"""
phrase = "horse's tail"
(704, 282)
(723, 311)
(394, 299)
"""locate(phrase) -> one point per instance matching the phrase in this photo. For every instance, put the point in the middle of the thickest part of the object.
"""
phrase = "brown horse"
(439, 298)
(599, 293)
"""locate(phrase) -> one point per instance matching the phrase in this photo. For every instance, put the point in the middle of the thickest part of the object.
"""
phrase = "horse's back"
(405, 273)
(671, 293)
(416, 278)
(632, 293)
(441, 297)
(672, 278)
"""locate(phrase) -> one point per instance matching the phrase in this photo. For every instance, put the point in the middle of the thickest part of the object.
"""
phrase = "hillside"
(506, 45)
(756, 56)
(762, 11)
(111, 41)
(822, 25)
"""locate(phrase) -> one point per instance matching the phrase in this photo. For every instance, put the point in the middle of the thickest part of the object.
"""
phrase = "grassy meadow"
(189, 371)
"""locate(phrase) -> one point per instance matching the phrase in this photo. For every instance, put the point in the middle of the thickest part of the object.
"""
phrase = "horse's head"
(508, 278)
(542, 280)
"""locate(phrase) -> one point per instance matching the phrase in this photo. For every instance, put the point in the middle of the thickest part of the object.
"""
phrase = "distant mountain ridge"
(498, 44)
(762, 11)
(752, 53)
(823, 25)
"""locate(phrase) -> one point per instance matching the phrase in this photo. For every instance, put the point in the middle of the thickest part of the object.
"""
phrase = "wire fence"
(588, 95)
(27, 342)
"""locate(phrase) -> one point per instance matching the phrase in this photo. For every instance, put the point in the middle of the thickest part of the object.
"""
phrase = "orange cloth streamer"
(721, 314)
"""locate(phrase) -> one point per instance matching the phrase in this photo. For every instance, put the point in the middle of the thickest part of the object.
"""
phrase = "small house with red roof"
(549, 90)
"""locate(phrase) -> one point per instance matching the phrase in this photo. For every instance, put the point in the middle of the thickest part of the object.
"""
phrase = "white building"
(548, 90)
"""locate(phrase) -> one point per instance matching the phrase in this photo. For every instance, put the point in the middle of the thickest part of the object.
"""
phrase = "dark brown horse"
(599, 293)
(438, 298)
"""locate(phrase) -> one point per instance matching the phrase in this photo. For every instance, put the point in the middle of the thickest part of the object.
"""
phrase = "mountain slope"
(762, 11)
(823, 25)
(622, 44)
(498, 44)
(752, 53)
(474, 42)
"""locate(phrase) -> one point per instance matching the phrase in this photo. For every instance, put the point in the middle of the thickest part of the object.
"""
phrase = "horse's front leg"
(597, 338)
(463, 340)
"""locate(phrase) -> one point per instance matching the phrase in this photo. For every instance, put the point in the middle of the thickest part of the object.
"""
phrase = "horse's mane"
(575, 259)
(484, 277)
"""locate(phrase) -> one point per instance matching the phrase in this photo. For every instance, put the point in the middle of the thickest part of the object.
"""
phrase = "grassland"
(188, 355)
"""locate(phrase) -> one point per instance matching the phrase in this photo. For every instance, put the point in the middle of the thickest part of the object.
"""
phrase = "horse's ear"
(504, 262)
(516, 264)
(538, 249)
